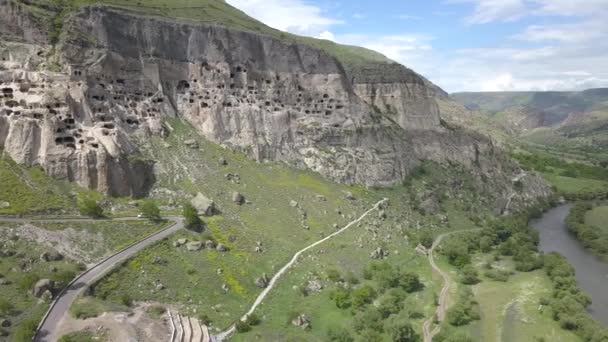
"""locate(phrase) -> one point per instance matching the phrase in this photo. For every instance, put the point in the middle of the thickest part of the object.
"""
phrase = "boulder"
(160, 287)
(51, 256)
(194, 245)
(321, 198)
(4, 281)
(379, 253)
(191, 143)
(4, 205)
(41, 286)
(5, 323)
(210, 244)
(293, 203)
(221, 248)
(179, 242)
(430, 206)
(46, 296)
(314, 285)
(262, 281)
(349, 196)
(238, 198)
(222, 161)
(204, 205)
(302, 321)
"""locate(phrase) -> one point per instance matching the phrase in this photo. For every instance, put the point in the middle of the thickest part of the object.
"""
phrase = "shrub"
(363, 295)
(24, 331)
(253, 320)
(333, 275)
(5, 306)
(150, 210)
(126, 300)
(155, 311)
(27, 282)
(191, 219)
(469, 275)
(89, 207)
(339, 335)
(242, 327)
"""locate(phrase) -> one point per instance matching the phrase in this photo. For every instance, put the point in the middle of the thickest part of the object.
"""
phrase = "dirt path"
(47, 330)
(443, 295)
(225, 334)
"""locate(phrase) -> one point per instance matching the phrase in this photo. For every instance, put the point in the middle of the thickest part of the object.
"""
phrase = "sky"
(463, 45)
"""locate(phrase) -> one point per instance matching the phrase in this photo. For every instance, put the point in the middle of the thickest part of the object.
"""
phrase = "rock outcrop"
(118, 74)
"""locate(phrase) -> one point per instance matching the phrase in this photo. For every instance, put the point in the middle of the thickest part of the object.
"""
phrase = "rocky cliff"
(114, 74)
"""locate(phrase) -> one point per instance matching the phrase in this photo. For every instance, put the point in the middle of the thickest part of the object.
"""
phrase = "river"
(591, 272)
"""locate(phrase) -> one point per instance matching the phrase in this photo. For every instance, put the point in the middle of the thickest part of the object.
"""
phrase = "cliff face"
(118, 74)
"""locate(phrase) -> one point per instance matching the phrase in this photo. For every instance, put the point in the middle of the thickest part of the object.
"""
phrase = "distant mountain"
(575, 120)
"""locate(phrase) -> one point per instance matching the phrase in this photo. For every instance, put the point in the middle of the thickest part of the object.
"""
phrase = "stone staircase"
(187, 329)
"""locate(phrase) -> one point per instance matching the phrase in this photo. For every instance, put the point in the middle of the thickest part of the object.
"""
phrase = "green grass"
(21, 270)
(29, 190)
(91, 241)
(88, 307)
(191, 278)
(597, 217)
(79, 336)
(575, 185)
(510, 311)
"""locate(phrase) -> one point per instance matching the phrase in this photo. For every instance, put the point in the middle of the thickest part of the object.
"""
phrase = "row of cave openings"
(321, 105)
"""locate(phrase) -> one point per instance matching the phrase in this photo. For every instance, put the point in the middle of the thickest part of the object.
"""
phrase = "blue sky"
(463, 45)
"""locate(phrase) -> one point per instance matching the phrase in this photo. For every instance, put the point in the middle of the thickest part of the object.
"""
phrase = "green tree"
(89, 207)
(150, 210)
(342, 298)
(400, 329)
(426, 238)
(469, 275)
(339, 334)
(191, 219)
(410, 282)
(363, 295)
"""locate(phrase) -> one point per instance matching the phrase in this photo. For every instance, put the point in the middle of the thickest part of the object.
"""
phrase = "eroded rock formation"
(118, 74)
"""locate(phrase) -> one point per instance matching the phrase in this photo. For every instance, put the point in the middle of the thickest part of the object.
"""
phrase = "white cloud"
(572, 7)
(327, 35)
(487, 11)
(296, 16)
(584, 31)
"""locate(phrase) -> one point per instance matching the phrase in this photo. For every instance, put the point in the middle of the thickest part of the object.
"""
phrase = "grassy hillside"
(216, 12)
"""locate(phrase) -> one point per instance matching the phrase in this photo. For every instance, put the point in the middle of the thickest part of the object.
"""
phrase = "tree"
(426, 238)
(363, 295)
(342, 298)
(469, 275)
(339, 334)
(400, 329)
(150, 210)
(191, 219)
(89, 207)
(410, 282)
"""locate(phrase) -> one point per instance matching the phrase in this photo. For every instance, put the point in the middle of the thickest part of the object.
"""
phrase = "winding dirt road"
(443, 295)
(225, 334)
(47, 329)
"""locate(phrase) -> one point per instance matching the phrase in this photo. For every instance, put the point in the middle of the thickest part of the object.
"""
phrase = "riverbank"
(591, 272)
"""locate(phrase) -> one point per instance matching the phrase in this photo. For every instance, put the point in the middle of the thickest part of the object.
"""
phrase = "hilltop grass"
(200, 11)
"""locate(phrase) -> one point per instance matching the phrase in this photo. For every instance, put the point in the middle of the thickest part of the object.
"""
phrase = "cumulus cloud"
(295, 16)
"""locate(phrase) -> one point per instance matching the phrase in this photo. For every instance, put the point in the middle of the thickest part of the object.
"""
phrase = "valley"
(180, 171)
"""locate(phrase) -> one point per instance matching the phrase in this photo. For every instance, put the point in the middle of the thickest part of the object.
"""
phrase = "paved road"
(47, 330)
(443, 295)
(225, 334)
